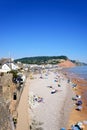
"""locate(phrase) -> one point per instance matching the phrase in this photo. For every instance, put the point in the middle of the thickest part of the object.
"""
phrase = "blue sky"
(43, 28)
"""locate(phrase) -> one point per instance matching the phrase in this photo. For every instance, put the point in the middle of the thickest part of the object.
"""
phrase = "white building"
(8, 67)
(5, 68)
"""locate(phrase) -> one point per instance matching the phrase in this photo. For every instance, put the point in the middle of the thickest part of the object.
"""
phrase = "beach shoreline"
(81, 89)
(79, 116)
(64, 114)
(63, 106)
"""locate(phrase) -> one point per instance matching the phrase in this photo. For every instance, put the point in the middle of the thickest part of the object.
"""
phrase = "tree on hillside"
(40, 59)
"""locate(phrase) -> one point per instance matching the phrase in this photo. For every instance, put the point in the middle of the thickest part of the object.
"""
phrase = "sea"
(79, 71)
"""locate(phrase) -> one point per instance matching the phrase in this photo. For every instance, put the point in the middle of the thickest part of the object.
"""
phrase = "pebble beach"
(53, 110)
(48, 102)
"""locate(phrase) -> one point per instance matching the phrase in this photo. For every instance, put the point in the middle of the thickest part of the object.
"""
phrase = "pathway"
(23, 118)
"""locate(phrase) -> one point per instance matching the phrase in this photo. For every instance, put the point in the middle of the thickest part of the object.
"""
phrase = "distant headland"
(62, 61)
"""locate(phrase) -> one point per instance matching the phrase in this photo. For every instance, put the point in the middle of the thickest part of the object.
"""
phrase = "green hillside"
(42, 59)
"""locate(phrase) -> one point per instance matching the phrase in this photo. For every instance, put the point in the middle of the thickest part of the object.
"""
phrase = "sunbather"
(79, 103)
(53, 91)
(79, 108)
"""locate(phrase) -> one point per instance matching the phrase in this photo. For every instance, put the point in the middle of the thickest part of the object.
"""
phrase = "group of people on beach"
(77, 99)
(78, 106)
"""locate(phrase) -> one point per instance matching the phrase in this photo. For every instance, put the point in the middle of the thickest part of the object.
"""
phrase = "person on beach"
(78, 103)
(53, 91)
(76, 97)
(79, 108)
(77, 126)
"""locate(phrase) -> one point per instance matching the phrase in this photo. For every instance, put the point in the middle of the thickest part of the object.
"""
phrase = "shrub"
(14, 72)
(2, 74)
